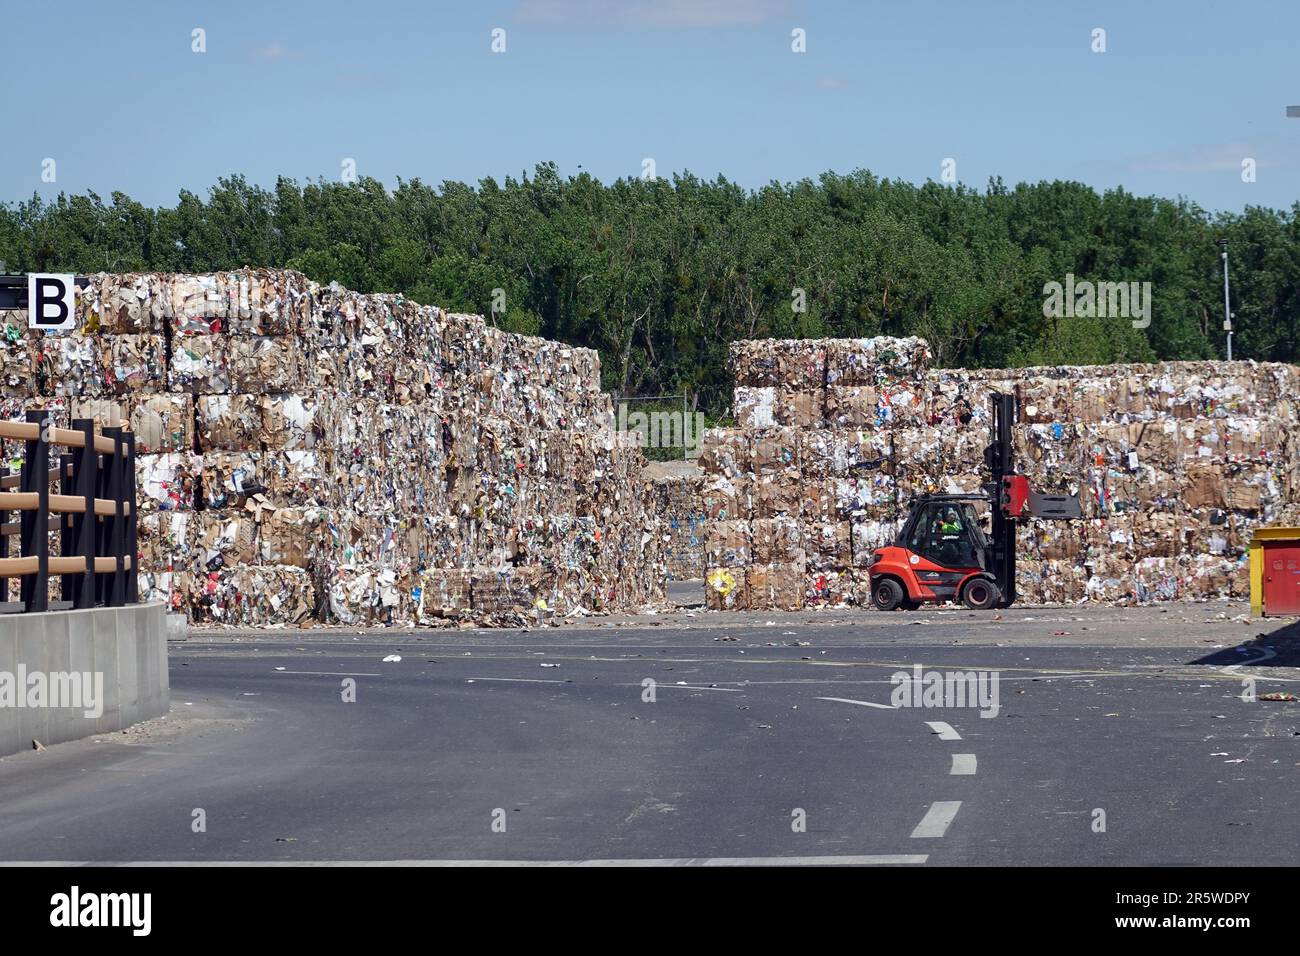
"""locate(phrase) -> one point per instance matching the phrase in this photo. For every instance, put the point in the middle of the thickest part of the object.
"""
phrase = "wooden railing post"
(36, 524)
(85, 471)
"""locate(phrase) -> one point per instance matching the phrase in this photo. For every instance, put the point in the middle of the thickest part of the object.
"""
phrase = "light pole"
(1227, 309)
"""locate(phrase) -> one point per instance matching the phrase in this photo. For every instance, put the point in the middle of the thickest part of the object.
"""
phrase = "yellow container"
(1274, 553)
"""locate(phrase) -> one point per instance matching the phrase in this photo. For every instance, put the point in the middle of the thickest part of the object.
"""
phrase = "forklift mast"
(1003, 489)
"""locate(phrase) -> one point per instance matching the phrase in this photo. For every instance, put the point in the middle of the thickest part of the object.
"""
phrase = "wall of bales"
(1175, 464)
(682, 522)
(310, 454)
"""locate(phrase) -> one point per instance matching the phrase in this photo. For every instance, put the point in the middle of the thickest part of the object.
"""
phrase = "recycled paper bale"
(17, 356)
(228, 422)
(163, 423)
(776, 585)
(724, 589)
(263, 365)
(199, 365)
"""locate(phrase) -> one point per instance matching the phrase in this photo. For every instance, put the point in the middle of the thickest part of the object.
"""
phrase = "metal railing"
(94, 509)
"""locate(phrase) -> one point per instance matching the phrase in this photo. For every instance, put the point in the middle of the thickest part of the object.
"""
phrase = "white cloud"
(275, 51)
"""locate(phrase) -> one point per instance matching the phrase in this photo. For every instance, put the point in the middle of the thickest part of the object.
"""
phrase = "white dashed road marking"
(963, 765)
(860, 703)
(944, 730)
(937, 819)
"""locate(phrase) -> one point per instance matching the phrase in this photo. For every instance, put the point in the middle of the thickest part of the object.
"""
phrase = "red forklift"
(943, 554)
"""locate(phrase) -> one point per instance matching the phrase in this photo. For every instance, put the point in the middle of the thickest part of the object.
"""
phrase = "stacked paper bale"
(679, 492)
(308, 453)
(1175, 463)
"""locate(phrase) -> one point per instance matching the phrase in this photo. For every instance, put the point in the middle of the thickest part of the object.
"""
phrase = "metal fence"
(94, 510)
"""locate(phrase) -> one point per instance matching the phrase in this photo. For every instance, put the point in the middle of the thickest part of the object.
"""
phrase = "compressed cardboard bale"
(123, 304)
(288, 536)
(105, 412)
(70, 364)
(902, 404)
(728, 544)
(163, 423)
(253, 596)
(133, 363)
(777, 585)
(444, 592)
(788, 363)
(775, 450)
(727, 452)
(777, 541)
(1203, 487)
(828, 546)
(823, 452)
(961, 398)
(168, 482)
(722, 499)
(503, 589)
(779, 494)
(166, 540)
(278, 479)
(263, 365)
(290, 422)
(800, 407)
(228, 422)
(867, 535)
(872, 361)
(199, 305)
(199, 365)
(262, 302)
(725, 589)
(853, 406)
(829, 589)
(172, 588)
(225, 539)
(18, 356)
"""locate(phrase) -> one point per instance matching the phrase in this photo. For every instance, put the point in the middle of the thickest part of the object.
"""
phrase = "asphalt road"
(542, 746)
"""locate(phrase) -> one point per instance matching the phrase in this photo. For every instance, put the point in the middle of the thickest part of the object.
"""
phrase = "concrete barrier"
(70, 674)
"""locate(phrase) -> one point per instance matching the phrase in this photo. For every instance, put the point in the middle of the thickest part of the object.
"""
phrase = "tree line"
(659, 275)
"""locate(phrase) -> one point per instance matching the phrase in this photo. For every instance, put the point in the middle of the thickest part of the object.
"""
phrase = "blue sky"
(1185, 90)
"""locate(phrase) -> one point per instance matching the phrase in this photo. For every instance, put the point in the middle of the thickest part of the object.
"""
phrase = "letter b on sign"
(51, 302)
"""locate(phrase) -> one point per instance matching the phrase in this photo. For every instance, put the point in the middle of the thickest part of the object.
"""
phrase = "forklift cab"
(946, 533)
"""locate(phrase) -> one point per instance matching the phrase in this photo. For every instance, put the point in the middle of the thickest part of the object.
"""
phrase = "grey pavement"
(1131, 714)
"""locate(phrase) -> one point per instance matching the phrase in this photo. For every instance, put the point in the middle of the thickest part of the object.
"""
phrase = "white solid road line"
(937, 819)
(944, 730)
(331, 673)
(880, 859)
(519, 680)
(860, 703)
(963, 765)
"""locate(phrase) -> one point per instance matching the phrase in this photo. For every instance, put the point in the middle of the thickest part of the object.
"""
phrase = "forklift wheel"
(981, 594)
(887, 594)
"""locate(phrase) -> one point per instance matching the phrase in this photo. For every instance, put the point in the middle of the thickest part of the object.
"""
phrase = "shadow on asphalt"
(1284, 641)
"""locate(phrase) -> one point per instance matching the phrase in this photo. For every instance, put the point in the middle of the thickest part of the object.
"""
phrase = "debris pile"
(1174, 463)
(308, 453)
